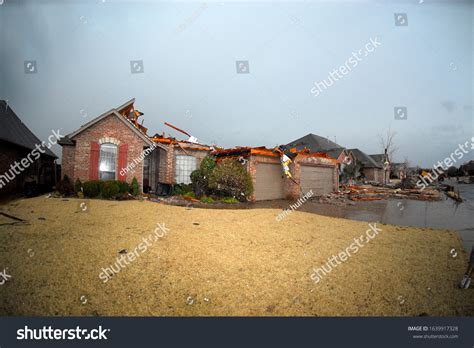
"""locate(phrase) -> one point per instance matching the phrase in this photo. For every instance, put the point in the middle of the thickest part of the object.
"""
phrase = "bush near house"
(182, 189)
(78, 186)
(124, 187)
(200, 177)
(111, 189)
(229, 200)
(135, 187)
(65, 187)
(229, 178)
(91, 188)
(207, 199)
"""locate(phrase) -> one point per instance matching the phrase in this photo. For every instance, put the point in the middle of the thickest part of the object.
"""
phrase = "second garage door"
(318, 179)
(269, 182)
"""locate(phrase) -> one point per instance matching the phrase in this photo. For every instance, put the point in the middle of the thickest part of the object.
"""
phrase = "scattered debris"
(123, 251)
(190, 300)
(451, 193)
(371, 193)
(41, 218)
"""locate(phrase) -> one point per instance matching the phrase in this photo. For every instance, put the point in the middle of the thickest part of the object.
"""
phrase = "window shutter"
(94, 161)
(122, 162)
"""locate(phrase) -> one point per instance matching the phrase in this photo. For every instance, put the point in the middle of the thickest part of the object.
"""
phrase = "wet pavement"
(444, 214)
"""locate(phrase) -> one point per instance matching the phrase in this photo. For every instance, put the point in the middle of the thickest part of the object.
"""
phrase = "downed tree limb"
(11, 217)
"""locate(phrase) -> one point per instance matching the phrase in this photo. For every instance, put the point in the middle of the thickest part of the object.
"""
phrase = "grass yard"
(219, 263)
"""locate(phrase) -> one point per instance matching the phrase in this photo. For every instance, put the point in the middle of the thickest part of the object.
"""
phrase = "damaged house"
(383, 161)
(115, 146)
(371, 169)
(17, 143)
(309, 171)
(316, 143)
(112, 147)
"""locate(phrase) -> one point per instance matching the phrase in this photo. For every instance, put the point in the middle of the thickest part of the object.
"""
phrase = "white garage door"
(318, 179)
(269, 182)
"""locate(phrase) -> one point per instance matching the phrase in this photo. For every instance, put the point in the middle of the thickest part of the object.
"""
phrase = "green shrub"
(65, 187)
(78, 186)
(124, 187)
(230, 200)
(190, 195)
(135, 187)
(200, 177)
(206, 199)
(230, 178)
(91, 188)
(182, 189)
(109, 189)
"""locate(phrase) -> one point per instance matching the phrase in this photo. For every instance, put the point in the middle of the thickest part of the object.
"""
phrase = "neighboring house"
(16, 145)
(310, 171)
(383, 161)
(318, 144)
(371, 170)
(467, 168)
(114, 146)
(398, 170)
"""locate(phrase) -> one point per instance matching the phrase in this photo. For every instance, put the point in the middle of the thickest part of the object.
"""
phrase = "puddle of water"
(444, 214)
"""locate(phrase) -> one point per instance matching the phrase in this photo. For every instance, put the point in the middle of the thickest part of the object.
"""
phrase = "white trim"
(108, 140)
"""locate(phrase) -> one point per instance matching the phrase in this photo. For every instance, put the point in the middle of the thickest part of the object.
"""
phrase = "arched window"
(108, 162)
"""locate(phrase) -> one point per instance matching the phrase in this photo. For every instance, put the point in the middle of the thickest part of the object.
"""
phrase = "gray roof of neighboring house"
(366, 160)
(379, 158)
(14, 131)
(315, 143)
(335, 153)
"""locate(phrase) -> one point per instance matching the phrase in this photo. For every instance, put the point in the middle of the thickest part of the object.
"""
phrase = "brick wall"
(77, 161)
(67, 164)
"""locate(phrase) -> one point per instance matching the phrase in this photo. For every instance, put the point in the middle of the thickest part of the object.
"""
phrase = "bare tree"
(387, 141)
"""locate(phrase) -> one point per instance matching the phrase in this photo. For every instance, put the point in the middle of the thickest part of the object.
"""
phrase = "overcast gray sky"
(189, 51)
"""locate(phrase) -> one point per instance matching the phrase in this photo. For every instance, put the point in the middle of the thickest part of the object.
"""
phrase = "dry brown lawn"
(220, 262)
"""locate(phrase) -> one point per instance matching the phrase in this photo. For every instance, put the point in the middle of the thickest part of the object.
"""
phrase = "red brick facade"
(78, 155)
(76, 158)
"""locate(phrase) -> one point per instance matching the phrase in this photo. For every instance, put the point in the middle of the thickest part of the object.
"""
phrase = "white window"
(108, 162)
(185, 165)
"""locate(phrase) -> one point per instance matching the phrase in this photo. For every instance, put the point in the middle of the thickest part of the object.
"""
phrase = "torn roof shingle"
(14, 131)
